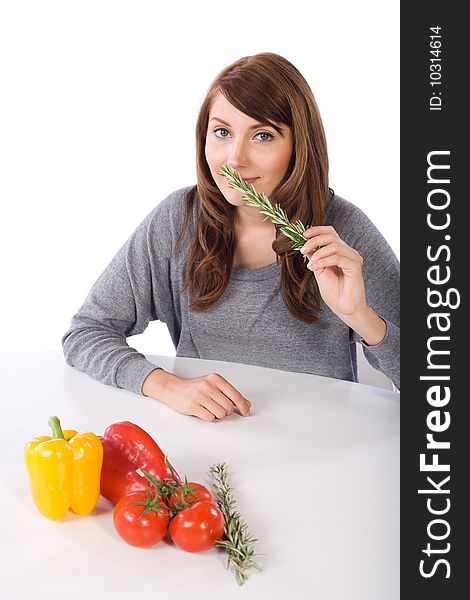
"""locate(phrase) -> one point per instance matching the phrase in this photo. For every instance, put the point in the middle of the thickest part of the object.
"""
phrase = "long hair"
(266, 87)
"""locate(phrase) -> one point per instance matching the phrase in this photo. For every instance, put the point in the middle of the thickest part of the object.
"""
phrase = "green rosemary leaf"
(276, 213)
(237, 541)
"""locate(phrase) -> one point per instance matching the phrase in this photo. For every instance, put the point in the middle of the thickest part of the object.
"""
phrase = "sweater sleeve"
(381, 273)
(121, 303)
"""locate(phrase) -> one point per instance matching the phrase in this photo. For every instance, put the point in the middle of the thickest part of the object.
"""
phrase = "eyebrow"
(255, 126)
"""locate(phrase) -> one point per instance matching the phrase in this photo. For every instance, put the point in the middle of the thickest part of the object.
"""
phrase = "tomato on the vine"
(198, 527)
(141, 519)
(197, 492)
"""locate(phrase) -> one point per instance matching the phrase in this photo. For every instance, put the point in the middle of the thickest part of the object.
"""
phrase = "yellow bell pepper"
(64, 471)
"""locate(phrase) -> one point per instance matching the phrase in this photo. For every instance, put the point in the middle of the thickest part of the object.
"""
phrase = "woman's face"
(259, 152)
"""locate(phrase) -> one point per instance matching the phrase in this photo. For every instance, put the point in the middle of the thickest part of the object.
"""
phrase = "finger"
(343, 262)
(336, 248)
(319, 230)
(329, 250)
(214, 407)
(318, 241)
(202, 413)
(222, 400)
(232, 394)
(246, 410)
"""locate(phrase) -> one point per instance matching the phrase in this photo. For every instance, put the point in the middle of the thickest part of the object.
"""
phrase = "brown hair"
(266, 87)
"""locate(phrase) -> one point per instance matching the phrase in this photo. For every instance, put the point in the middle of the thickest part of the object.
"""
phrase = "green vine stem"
(174, 488)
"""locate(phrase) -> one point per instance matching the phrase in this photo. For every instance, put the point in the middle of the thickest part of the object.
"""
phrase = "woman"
(225, 282)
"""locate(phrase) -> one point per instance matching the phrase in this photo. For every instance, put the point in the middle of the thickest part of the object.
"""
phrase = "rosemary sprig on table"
(278, 215)
(237, 541)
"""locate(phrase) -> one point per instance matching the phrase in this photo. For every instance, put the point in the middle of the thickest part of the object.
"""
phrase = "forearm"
(105, 355)
(368, 325)
(385, 356)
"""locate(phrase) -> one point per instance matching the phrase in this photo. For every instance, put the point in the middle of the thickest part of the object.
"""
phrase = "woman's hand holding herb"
(209, 397)
(338, 270)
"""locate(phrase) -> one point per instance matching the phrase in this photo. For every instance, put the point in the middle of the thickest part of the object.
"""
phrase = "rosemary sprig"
(278, 215)
(237, 541)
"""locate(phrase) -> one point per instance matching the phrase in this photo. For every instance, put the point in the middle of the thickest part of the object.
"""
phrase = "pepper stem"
(57, 432)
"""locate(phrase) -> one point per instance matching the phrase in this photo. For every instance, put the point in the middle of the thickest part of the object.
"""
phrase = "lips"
(249, 179)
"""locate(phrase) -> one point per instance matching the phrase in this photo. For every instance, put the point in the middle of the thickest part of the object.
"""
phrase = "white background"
(97, 112)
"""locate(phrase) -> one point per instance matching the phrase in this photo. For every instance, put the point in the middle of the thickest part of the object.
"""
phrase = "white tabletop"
(315, 471)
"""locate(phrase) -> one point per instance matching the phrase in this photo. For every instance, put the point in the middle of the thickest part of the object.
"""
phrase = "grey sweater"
(249, 324)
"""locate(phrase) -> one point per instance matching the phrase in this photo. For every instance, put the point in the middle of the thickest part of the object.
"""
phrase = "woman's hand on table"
(208, 397)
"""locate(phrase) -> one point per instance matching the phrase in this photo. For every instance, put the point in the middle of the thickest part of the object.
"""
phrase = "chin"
(234, 199)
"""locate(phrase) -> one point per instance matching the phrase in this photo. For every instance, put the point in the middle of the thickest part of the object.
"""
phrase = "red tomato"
(136, 526)
(199, 492)
(198, 527)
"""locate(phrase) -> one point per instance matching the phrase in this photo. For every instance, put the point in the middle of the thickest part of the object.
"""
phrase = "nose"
(238, 157)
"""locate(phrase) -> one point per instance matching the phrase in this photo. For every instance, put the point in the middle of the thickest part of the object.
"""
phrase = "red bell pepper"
(126, 448)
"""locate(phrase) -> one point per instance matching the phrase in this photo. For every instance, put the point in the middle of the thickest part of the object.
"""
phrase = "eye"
(264, 136)
(221, 132)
